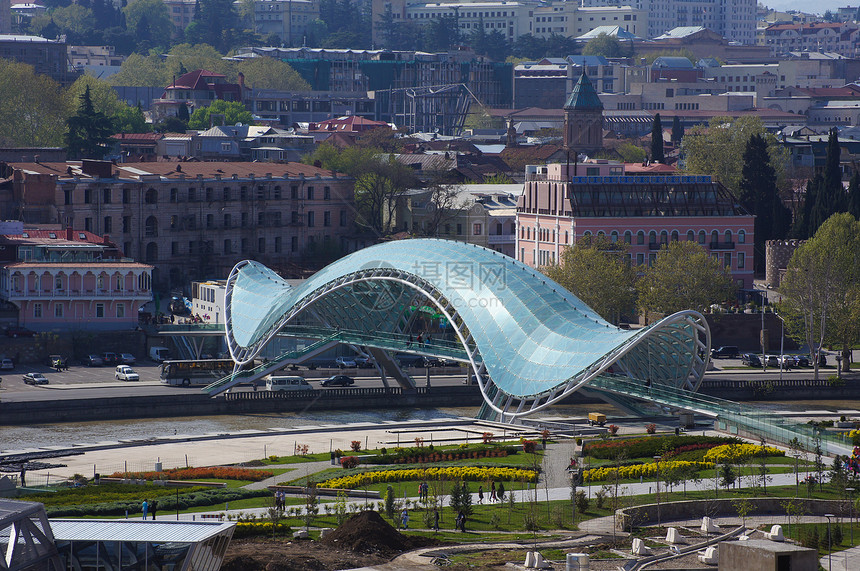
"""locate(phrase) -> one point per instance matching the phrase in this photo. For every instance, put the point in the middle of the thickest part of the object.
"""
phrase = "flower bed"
(689, 448)
(425, 455)
(257, 528)
(734, 453)
(217, 472)
(166, 503)
(471, 474)
(640, 470)
(649, 446)
(103, 494)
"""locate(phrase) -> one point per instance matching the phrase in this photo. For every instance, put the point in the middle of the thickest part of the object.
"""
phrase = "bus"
(195, 373)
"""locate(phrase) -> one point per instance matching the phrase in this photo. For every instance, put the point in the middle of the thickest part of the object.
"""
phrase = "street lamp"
(851, 511)
(829, 542)
(659, 521)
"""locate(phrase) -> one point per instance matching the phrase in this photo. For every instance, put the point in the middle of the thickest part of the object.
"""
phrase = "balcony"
(722, 245)
(502, 238)
(66, 294)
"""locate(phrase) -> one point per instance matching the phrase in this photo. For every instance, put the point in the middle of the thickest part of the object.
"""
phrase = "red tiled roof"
(90, 264)
(142, 137)
(353, 123)
(192, 79)
(59, 236)
(654, 168)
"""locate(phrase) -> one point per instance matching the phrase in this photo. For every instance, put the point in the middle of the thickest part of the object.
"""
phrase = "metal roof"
(13, 510)
(583, 95)
(136, 530)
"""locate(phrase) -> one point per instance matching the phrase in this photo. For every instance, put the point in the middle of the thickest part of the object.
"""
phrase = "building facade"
(196, 220)
(287, 19)
(69, 280)
(48, 57)
(836, 37)
(644, 212)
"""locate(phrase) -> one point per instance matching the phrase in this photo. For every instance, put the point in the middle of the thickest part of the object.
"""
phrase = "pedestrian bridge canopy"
(526, 340)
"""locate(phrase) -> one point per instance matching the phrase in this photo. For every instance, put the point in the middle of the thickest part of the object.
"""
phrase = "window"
(58, 284)
(277, 244)
(690, 236)
(674, 235)
(476, 229)
(100, 310)
(640, 237)
(459, 229)
(106, 195)
(88, 224)
(108, 225)
(310, 193)
(244, 219)
(174, 195)
(192, 195)
(120, 283)
(261, 245)
(261, 219)
(58, 310)
(151, 196)
(741, 260)
(294, 244)
(37, 310)
(728, 236)
(174, 248)
(343, 217)
(715, 237)
(311, 219)
(126, 195)
(294, 191)
(664, 237)
(652, 237)
(701, 236)
(326, 193)
(742, 237)
(126, 224)
(628, 237)
(228, 249)
(640, 259)
(327, 218)
(727, 259)
(227, 195)
(228, 221)
(120, 310)
(614, 236)
(87, 196)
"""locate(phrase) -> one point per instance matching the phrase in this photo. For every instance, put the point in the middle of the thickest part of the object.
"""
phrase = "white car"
(345, 362)
(7, 365)
(126, 373)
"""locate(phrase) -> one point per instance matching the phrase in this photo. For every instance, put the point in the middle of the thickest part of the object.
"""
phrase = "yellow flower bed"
(734, 453)
(639, 470)
(471, 474)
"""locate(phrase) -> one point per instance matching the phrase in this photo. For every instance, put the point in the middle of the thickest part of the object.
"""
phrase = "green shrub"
(168, 502)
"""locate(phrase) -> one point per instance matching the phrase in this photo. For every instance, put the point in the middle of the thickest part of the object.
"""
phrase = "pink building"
(644, 212)
(62, 280)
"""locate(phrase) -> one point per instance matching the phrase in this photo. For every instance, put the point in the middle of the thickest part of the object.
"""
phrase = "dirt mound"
(282, 555)
(367, 532)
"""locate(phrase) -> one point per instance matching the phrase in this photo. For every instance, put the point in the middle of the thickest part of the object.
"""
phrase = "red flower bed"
(214, 472)
(689, 447)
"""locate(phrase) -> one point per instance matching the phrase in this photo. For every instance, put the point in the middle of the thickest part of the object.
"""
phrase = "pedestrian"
(501, 494)
(461, 522)
(404, 519)
(152, 507)
(145, 507)
(493, 492)
(409, 342)
(648, 384)
(420, 340)
(429, 338)
(480, 495)
(435, 520)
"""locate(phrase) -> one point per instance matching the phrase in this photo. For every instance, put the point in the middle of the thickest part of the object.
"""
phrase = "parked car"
(126, 373)
(7, 365)
(19, 332)
(802, 360)
(338, 381)
(128, 359)
(772, 360)
(92, 361)
(35, 379)
(364, 362)
(431, 362)
(788, 361)
(109, 358)
(345, 362)
(751, 359)
(729, 351)
(58, 362)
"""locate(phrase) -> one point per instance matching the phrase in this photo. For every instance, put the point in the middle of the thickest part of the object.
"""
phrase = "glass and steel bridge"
(526, 340)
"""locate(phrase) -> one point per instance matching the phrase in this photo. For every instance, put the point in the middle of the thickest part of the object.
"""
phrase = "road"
(85, 382)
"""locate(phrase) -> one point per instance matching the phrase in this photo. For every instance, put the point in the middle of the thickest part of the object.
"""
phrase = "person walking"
(480, 495)
(461, 522)
(404, 519)
(436, 520)
(409, 342)
(145, 507)
(493, 492)
(152, 507)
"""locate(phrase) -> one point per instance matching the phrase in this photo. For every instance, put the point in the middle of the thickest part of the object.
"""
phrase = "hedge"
(165, 503)
(427, 454)
(469, 473)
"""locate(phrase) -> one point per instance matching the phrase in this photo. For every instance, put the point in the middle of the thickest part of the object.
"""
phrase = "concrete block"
(301, 534)
(639, 547)
(673, 537)
(708, 525)
(775, 533)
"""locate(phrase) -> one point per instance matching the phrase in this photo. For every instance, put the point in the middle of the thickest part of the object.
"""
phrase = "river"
(63, 434)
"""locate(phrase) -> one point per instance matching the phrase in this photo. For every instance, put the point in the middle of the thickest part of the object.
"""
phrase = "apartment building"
(48, 57)
(181, 13)
(836, 37)
(195, 220)
(287, 19)
(558, 208)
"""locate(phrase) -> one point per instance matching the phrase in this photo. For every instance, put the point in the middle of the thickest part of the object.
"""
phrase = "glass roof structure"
(528, 341)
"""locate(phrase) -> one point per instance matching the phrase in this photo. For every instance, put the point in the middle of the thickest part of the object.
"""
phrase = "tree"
(129, 120)
(657, 140)
(441, 33)
(89, 131)
(233, 111)
(102, 95)
(596, 271)
(150, 23)
(829, 197)
(75, 21)
(821, 286)
(631, 153)
(214, 23)
(718, 150)
(606, 46)
(445, 207)
(271, 73)
(683, 276)
(760, 196)
(677, 130)
(33, 109)
(854, 196)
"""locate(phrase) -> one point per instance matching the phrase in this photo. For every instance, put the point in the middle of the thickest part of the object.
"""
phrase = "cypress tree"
(89, 131)
(677, 130)
(854, 196)
(657, 140)
(830, 197)
(760, 195)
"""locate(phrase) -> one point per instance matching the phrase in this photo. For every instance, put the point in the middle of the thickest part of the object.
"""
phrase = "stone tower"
(583, 118)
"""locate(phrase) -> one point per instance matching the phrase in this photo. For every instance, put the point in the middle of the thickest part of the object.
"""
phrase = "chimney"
(69, 234)
(106, 239)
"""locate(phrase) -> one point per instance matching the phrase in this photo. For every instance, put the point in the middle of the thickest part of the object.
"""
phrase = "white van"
(159, 354)
(287, 384)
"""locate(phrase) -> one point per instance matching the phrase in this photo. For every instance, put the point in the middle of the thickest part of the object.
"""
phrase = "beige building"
(181, 12)
(288, 19)
(481, 214)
